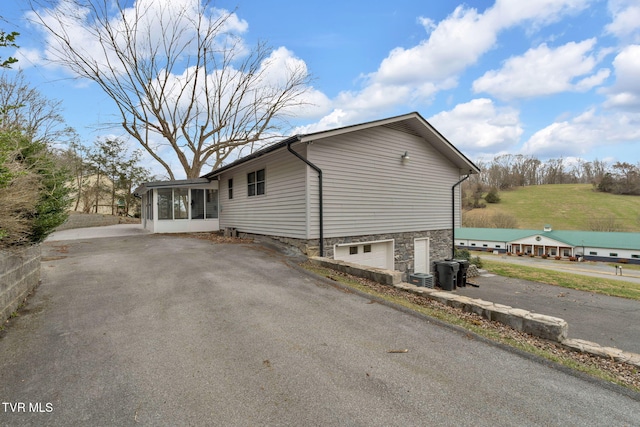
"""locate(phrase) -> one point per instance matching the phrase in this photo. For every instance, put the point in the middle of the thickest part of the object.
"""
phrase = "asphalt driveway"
(608, 321)
(160, 330)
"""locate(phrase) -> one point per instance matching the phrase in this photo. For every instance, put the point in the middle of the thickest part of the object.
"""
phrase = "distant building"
(591, 245)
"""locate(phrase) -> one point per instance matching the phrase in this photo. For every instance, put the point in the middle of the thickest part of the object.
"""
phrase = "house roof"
(146, 186)
(494, 234)
(595, 239)
(412, 123)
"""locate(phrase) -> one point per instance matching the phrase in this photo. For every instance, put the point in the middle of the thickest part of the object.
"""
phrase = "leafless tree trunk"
(179, 77)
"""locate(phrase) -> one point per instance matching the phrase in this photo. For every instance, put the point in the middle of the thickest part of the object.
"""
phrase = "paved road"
(594, 269)
(608, 321)
(157, 330)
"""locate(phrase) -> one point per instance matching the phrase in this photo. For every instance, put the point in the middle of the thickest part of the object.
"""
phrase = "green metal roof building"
(592, 245)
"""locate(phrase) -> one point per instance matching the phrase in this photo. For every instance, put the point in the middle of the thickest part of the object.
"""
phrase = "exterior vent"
(548, 228)
(421, 280)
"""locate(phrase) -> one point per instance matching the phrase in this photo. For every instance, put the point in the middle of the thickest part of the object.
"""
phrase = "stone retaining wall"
(19, 276)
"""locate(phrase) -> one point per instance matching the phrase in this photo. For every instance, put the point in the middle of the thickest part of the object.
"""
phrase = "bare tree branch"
(176, 75)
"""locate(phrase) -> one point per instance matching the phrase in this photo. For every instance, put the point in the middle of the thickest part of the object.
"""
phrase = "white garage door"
(373, 254)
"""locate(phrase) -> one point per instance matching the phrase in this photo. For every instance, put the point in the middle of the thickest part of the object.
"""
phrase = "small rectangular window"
(230, 186)
(256, 183)
(473, 244)
(353, 250)
(366, 249)
(635, 256)
(593, 253)
(497, 246)
(613, 254)
(484, 246)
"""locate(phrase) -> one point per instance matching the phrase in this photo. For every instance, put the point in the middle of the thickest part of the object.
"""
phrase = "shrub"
(492, 196)
(544, 256)
(476, 260)
(558, 257)
(462, 254)
(623, 261)
(33, 197)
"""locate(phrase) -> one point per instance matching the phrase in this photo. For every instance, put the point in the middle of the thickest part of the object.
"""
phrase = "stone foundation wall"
(19, 276)
(439, 245)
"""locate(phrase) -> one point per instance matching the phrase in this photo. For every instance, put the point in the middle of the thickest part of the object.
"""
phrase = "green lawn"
(564, 207)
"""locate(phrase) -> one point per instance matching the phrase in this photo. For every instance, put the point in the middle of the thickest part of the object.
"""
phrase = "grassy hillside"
(564, 207)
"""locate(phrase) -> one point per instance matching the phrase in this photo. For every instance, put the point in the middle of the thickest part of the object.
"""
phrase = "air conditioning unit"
(421, 280)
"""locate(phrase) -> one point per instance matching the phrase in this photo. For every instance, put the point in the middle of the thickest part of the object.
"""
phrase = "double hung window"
(255, 183)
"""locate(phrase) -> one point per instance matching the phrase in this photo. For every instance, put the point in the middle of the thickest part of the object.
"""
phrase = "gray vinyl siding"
(281, 211)
(368, 190)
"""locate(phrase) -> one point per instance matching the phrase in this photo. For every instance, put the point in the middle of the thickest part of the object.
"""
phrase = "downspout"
(317, 169)
(453, 215)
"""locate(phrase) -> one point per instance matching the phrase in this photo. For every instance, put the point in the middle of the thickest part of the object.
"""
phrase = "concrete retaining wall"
(386, 277)
(82, 220)
(19, 276)
(540, 325)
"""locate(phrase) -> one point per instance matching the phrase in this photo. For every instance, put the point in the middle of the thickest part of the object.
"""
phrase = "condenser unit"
(422, 280)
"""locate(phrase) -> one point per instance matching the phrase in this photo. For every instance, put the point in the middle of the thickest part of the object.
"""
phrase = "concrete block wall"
(19, 275)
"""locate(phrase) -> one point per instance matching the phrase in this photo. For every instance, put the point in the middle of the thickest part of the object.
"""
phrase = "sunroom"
(182, 206)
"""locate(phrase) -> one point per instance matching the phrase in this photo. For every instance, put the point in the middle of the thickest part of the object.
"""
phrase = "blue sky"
(548, 78)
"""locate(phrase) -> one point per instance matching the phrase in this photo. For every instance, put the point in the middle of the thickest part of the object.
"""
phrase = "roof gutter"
(453, 214)
(320, 207)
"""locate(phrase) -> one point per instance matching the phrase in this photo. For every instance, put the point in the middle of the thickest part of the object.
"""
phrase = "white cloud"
(536, 13)
(278, 67)
(479, 126)
(583, 133)
(453, 44)
(626, 90)
(414, 75)
(544, 71)
(626, 16)
(337, 118)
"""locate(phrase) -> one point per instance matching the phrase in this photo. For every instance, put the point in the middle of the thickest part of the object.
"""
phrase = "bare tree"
(605, 223)
(177, 73)
(22, 106)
